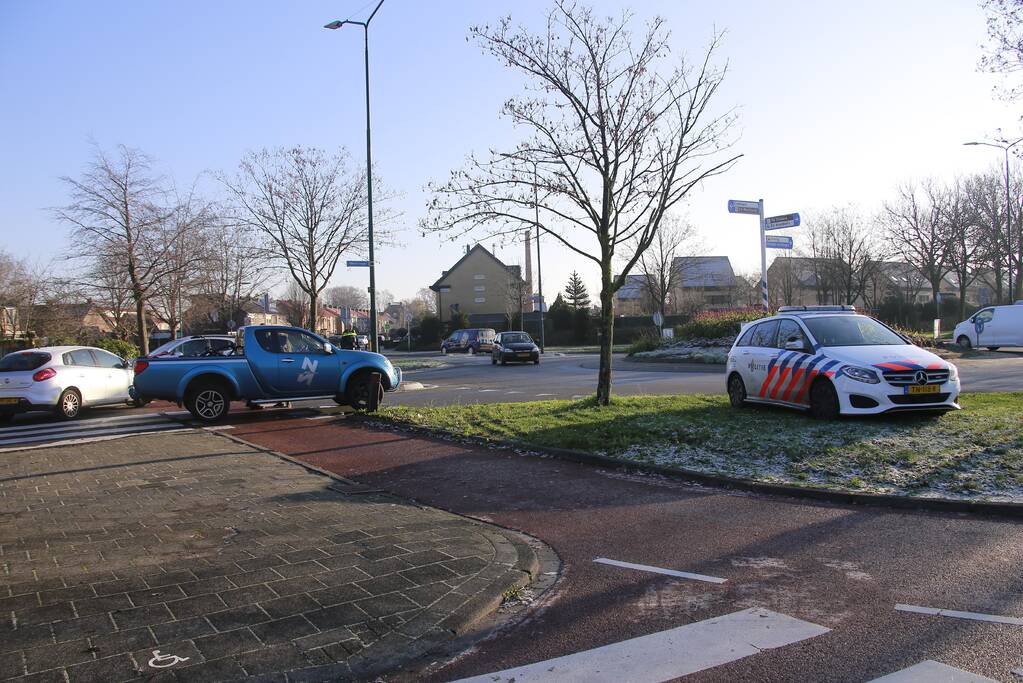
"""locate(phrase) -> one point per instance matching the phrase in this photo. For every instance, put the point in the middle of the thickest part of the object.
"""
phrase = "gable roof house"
(483, 287)
(703, 282)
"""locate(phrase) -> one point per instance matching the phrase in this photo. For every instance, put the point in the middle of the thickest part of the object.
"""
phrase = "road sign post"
(778, 242)
(789, 220)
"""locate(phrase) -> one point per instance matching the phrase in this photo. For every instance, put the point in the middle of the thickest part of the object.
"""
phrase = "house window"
(480, 288)
(479, 276)
(480, 299)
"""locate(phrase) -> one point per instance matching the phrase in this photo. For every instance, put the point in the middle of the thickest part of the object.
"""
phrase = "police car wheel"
(964, 341)
(823, 400)
(736, 391)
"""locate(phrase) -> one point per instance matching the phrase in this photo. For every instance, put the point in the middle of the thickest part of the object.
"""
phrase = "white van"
(992, 327)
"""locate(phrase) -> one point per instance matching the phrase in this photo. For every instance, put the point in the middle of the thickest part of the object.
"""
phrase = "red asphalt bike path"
(841, 567)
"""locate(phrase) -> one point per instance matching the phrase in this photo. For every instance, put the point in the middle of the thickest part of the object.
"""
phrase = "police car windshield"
(850, 330)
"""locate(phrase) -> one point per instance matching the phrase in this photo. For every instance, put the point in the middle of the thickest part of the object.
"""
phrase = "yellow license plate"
(8, 401)
(925, 389)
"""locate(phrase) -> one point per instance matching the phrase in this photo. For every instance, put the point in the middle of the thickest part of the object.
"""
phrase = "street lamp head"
(334, 25)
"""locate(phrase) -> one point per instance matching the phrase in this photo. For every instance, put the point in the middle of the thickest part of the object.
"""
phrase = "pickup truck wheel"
(358, 392)
(208, 402)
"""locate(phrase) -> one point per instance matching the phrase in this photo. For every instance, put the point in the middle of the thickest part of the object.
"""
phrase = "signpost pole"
(763, 259)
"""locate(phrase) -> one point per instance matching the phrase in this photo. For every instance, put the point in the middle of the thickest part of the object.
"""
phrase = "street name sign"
(742, 206)
(358, 264)
(787, 220)
(777, 242)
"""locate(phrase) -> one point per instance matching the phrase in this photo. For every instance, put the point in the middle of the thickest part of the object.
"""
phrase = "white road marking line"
(321, 417)
(218, 428)
(546, 394)
(669, 654)
(513, 392)
(79, 425)
(93, 439)
(576, 397)
(930, 671)
(974, 616)
(484, 391)
(65, 435)
(658, 570)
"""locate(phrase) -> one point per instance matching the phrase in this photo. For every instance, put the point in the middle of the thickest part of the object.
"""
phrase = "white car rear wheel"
(69, 405)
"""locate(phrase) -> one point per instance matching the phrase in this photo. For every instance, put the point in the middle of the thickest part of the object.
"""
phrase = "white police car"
(831, 361)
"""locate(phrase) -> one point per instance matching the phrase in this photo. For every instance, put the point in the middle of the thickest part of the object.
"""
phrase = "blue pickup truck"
(268, 364)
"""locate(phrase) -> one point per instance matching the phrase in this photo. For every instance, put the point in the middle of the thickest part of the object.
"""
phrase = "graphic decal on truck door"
(308, 371)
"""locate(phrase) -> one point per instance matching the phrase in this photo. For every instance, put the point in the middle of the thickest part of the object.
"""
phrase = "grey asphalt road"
(472, 379)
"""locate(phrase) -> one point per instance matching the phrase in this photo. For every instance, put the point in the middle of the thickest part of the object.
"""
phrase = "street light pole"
(1005, 146)
(539, 271)
(334, 25)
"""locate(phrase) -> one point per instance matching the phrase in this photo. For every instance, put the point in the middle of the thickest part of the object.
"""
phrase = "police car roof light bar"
(812, 309)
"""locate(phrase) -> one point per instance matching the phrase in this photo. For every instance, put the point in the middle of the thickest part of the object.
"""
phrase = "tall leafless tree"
(119, 209)
(843, 239)
(613, 142)
(961, 219)
(916, 232)
(346, 296)
(307, 206)
(656, 265)
(1004, 52)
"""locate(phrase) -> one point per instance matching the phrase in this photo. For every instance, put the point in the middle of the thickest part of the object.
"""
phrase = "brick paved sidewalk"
(190, 557)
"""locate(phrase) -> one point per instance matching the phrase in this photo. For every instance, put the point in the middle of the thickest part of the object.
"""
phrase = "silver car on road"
(62, 379)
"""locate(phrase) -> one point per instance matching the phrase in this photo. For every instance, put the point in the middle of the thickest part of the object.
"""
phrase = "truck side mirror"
(328, 348)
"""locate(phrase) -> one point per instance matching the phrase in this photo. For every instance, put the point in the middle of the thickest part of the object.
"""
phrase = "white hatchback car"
(833, 361)
(62, 379)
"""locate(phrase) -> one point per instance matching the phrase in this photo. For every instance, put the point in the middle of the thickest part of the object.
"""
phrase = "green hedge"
(119, 347)
(714, 324)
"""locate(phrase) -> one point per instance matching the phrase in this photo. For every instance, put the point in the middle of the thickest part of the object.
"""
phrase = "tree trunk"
(140, 316)
(607, 324)
(962, 298)
(313, 311)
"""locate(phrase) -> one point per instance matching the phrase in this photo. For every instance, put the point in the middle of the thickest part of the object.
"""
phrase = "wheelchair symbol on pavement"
(160, 661)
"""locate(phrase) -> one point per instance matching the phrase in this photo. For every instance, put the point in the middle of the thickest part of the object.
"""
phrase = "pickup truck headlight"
(861, 374)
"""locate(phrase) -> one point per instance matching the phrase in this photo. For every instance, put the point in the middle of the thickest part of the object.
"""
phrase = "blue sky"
(838, 102)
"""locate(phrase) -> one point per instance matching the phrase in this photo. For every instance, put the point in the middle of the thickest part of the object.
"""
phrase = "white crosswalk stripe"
(669, 654)
(930, 671)
(82, 431)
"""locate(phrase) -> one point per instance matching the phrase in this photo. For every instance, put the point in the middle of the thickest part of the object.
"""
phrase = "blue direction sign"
(358, 264)
(741, 206)
(787, 220)
(777, 242)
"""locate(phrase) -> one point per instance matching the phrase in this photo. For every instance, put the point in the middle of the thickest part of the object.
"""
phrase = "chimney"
(528, 276)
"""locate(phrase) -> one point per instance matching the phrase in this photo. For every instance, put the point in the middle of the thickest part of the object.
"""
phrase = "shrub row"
(714, 324)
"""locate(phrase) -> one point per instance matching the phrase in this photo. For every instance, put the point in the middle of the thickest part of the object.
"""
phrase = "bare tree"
(843, 240)
(656, 265)
(119, 209)
(988, 193)
(917, 233)
(309, 209)
(187, 254)
(1004, 52)
(612, 144)
(958, 210)
(235, 270)
(346, 296)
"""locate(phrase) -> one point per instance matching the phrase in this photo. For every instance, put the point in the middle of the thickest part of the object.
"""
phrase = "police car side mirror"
(794, 345)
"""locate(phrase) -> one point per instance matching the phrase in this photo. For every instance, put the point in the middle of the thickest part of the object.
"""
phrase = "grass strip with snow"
(975, 453)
